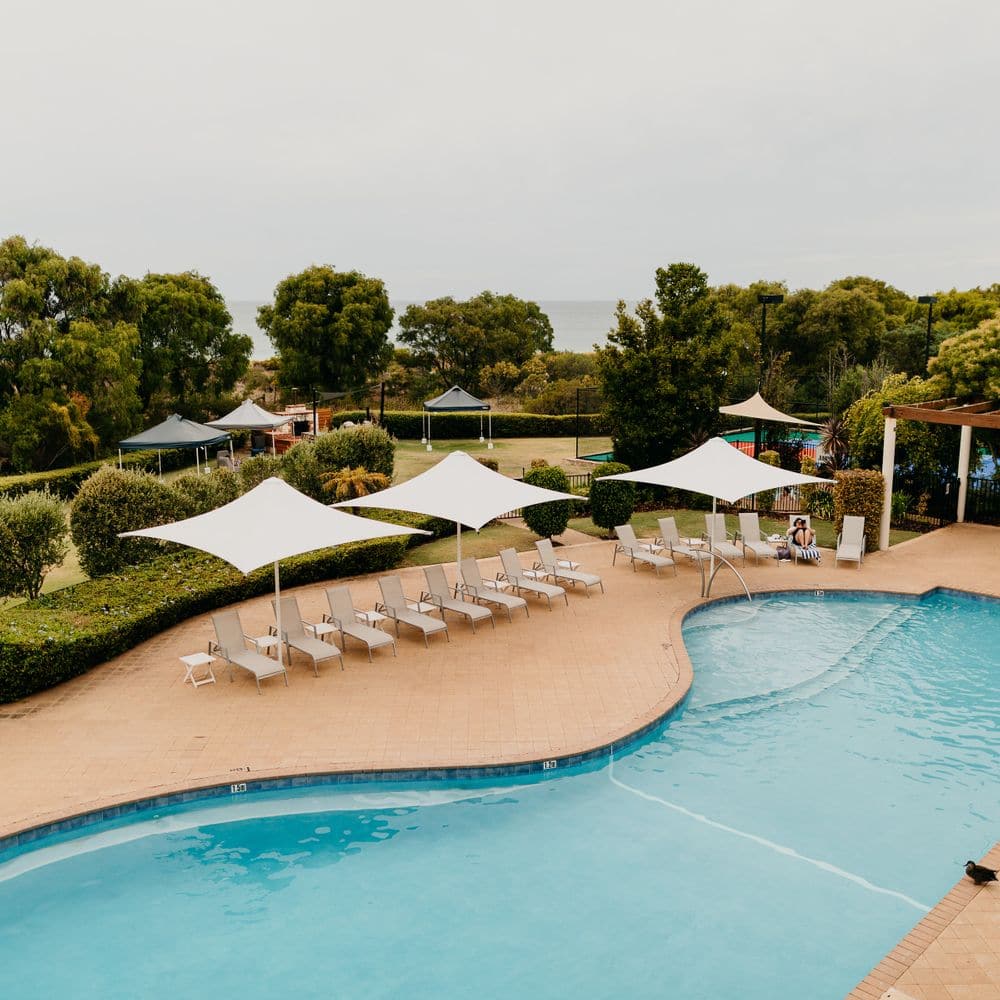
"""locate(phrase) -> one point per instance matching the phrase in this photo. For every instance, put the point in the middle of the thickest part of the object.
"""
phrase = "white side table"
(262, 643)
(422, 607)
(372, 618)
(194, 660)
(496, 584)
(320, 629)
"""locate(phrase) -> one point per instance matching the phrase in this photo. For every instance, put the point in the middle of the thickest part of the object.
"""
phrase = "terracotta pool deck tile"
(557, 683)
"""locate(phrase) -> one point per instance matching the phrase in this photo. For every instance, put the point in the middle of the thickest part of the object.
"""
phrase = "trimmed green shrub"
(859, 492)
(199, 491)
(253, 471)
(34, 538)
(438, 527)
(548, 519)
(64, 483)
(113, 500)
(808, 468)
(367, 446)
(406, 424)
(300, 468)
(490, 463)
(611, 503)
(765, 500)
(64, 634)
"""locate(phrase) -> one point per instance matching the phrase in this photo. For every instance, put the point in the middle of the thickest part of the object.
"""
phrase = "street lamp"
(927, 300)
(765, 300)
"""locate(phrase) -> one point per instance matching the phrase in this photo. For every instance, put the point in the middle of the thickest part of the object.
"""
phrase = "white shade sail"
(757, 408)
(459, 489)
(270, 522)
(248, 416)
(718, 470)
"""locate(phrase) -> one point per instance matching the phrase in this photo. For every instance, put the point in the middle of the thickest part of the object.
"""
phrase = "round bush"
(367, 446)
(548, 519)
(199, 491)
(301, 469)
(111, 501)
(33, 538)
(253, 471)
(611, 503)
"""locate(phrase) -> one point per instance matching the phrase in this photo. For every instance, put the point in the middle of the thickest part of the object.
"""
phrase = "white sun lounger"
(639, 552)
(670, 539)
(851, 540)
(343, 614)
(718, 538)
(231, 645)
(750, 539)
(474, 586)
(394, 605)
(563, 570)
(294, 635)
(515, 574)
(438, 592)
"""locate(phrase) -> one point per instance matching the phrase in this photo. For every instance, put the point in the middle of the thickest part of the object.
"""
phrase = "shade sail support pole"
(277, 608)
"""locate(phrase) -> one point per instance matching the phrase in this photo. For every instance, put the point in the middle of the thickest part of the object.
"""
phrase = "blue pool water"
(835, 764)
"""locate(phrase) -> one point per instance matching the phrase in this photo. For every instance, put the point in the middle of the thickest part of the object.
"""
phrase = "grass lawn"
(487, 542)
(513, 454)
(692, 523)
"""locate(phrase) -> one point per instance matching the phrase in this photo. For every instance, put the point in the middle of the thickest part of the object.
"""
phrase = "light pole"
(928, 300)
(765, 300)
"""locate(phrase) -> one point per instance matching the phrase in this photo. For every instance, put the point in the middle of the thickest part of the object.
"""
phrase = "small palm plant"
(349, 484)
(833, 439)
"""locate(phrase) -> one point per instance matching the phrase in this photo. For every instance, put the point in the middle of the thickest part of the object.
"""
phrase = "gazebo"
(175, 432)
(248, 416)
(455, 400)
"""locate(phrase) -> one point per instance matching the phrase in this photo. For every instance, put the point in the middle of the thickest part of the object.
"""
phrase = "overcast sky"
(554, 150)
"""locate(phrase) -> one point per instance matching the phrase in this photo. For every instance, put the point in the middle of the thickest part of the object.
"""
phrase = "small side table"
(422, 607)
(263, 643)
(373, 619)
(321, 629)
(194, 660)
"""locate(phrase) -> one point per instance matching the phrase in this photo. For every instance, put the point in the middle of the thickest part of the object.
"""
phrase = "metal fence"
(922, 503)
(982, 502)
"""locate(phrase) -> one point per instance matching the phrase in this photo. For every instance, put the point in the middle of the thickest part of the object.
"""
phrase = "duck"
(980, 874)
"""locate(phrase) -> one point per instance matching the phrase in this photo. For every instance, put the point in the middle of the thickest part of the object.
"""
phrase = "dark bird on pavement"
(980, 873)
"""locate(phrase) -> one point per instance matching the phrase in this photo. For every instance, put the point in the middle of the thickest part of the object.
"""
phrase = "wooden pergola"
(950, 412)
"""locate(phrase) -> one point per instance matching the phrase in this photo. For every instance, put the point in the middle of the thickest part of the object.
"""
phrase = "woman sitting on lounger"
(804, 540)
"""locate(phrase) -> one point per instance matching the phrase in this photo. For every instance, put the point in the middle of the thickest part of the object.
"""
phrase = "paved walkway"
(559, 683)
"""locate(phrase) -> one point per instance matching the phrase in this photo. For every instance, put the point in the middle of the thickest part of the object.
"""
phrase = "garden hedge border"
(65, 483)
(66, 633)
(408, 424)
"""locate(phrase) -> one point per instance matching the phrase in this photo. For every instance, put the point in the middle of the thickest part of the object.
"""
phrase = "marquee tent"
(248, 416)
(455, 400)
(175, 432)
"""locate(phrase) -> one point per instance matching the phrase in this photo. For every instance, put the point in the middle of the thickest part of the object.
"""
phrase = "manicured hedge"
(64, 483)
(406, 424)
(64, 634)
(612, 502)
(860, 492)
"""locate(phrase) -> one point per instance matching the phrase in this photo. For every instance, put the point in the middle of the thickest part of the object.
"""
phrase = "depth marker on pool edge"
(764, 842)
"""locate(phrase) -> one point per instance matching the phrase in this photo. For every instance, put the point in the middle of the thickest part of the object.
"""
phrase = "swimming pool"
(835, 764)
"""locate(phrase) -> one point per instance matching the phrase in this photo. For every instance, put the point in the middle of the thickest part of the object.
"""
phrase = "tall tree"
(969, 364)
(187, 347)
(330, 328)
(459, 339)
(663, 369)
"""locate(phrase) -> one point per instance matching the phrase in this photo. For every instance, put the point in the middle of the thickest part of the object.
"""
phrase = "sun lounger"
(294, 635)
(395, 606)
(231, 645)
(809, 554)
(670, 539)
(479, 590)
(851, 540)
(718, 538)
(438, 592)
(563, 570)
(750, 539)
(343, 615)
(639, 552)
(515, 575)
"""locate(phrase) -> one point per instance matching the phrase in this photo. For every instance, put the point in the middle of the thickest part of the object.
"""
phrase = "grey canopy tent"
(455, 400)
(248, 416)
(175, 432)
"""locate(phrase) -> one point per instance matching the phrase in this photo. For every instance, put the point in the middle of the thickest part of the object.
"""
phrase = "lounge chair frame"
(231, 644)
(343, 615)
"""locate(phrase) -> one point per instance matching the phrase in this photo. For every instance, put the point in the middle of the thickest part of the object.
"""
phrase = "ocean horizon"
(577, 325)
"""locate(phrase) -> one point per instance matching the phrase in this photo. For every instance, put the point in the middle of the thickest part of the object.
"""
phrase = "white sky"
(549, 149)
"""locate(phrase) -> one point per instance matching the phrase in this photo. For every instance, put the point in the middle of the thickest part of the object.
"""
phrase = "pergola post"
(888, 466)
(964, 450)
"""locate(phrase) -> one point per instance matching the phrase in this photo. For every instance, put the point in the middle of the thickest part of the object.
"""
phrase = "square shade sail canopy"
(757, 408)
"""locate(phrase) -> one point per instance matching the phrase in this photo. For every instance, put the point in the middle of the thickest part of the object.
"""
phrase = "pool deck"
(558, 684)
